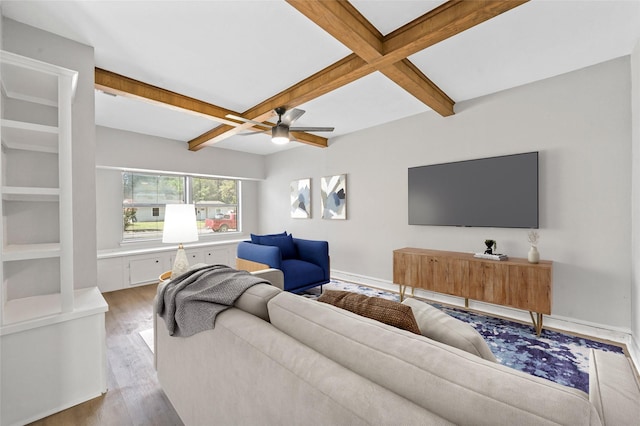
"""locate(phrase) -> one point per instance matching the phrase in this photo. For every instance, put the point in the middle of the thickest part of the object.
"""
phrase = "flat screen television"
(500, 192)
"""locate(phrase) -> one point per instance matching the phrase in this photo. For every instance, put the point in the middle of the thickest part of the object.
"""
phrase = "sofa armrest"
(269, 255)
(613, 388)
(274, 276)
(314, 251)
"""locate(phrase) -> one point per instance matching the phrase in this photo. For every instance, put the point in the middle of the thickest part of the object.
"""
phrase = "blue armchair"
(304, 263)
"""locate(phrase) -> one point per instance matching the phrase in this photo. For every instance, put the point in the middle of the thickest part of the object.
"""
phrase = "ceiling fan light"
(280, 134)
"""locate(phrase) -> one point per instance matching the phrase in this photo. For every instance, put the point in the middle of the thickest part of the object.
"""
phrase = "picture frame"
(333, 195)
(300, 196)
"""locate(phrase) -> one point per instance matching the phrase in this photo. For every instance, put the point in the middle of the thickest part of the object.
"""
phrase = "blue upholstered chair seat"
(298, 273)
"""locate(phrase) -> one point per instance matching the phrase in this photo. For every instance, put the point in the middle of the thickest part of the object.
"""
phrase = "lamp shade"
(179, 224)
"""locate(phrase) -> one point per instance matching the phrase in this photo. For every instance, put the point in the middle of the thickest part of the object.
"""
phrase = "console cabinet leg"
(537, 322)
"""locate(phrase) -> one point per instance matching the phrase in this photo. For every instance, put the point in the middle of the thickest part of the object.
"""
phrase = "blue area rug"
(556, 356)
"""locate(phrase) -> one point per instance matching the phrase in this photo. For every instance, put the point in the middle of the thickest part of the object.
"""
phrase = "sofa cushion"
(383, 310)
(437, 325)
(298, 273)
(257, 239)
(440, 378)
(254, 300)
(613, 388)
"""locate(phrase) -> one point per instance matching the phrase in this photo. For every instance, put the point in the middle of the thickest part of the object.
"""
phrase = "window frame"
(187, 198)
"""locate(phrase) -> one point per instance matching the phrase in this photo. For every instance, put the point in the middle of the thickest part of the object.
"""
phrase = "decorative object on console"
(489, 252)
(333, 191)
(180, 227)
(491, 246)
(533, 256)
(301, 198)
(494, 256)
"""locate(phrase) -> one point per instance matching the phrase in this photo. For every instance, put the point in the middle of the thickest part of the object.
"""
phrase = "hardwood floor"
(134, 396)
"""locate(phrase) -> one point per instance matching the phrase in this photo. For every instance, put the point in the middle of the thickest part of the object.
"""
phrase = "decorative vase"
(534, 255)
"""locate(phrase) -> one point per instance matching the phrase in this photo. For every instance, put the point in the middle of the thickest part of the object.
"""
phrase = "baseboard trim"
(570, 325)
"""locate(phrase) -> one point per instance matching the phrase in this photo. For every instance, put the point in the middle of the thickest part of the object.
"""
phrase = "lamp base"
(181, 263)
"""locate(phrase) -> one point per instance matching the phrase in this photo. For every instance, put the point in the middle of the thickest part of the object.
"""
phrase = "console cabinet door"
(530, 288)
(406, 269)
(450, 275)
(488, 282)
(428, 266)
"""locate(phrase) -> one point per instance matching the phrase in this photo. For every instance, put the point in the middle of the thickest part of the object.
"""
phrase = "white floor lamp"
(180, 227)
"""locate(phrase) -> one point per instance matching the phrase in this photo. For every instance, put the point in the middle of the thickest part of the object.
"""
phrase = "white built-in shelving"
(36, 191)
(52, 329)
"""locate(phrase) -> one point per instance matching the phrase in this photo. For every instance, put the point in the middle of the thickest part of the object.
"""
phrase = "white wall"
(581, 125)
(34, 43)
(635, 215)
(121, 149)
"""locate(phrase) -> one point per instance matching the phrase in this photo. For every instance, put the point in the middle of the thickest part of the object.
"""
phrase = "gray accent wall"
(580, 123)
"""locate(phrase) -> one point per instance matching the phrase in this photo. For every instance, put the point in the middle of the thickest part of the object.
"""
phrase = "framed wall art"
(301, 198)
(333, 192)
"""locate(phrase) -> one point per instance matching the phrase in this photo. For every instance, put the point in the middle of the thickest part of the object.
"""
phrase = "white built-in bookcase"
(36, 203)
(52, 333)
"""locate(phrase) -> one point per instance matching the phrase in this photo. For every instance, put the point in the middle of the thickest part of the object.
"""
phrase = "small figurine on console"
(491, 246)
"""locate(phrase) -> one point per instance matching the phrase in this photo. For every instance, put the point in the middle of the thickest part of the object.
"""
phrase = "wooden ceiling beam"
(443, 22)
(120, 85)
(117, 84)
(346, 24)
(406, 75)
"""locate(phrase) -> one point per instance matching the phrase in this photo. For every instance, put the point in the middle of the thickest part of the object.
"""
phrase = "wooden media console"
(514, 282)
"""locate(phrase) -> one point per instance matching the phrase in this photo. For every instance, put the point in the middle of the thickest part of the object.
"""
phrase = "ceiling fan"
(280, 131)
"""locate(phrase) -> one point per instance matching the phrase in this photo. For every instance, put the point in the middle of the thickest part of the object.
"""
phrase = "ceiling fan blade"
(265, 132)
(291, 115)
(237, 117)
(311, 129)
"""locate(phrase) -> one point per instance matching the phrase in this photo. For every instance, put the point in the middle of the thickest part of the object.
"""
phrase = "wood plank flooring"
(134, 396)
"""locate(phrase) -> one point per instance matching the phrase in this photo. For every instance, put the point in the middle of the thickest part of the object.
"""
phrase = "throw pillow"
(437, 325)
(284, 243)
(257, 239)
(383, 310)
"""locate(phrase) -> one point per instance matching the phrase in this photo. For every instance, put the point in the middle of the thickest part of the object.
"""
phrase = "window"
(145, 195)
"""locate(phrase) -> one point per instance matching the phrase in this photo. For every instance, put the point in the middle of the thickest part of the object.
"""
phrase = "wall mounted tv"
(500, 192)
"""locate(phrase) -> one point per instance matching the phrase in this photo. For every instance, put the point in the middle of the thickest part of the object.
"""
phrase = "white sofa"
(278, 358)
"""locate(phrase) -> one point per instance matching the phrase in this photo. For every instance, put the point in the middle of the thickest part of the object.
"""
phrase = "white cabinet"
(193, 255)
(146, 269)
(219, 256)
(122, 269)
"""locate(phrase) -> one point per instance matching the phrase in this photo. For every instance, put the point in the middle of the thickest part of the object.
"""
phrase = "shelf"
(29, 136)
(21, 193)
(38, 311)
(13, 252)
(31, 80)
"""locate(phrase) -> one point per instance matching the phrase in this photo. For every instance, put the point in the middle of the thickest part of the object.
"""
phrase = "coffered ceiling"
(250, 56)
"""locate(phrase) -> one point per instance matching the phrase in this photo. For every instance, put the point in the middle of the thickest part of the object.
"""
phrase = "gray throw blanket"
(190, 302)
